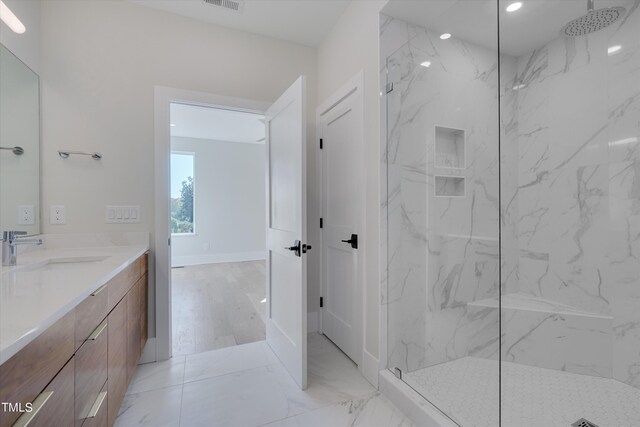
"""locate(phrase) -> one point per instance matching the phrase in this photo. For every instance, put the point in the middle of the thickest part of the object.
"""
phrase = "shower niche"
(449, 154)
(449, 186)
(449, 148)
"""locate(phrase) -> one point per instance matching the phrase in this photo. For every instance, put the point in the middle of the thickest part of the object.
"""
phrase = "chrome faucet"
(10, 242)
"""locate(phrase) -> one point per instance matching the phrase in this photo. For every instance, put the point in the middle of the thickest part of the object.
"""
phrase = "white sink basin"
(69, 263)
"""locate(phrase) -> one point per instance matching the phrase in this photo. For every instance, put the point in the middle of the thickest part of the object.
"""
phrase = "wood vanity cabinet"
(117, 359)
(77, 371)
(59, 404)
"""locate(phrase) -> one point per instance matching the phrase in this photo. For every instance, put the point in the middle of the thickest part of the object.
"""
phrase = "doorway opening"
(218, 227)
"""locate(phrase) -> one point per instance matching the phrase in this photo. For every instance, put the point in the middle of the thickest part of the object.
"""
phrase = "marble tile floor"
(246, 386)
(467, 390)
(217, 305)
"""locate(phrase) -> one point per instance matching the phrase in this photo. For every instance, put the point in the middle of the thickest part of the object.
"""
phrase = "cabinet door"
(117, 359)
(98, 415)
(55, 405)
(144, 315)
(133, 329)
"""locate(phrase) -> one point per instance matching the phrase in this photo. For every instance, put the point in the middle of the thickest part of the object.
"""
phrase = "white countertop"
(33, 300)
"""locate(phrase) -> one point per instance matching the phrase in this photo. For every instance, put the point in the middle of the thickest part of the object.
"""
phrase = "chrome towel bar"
(18, 151)
(65, 153)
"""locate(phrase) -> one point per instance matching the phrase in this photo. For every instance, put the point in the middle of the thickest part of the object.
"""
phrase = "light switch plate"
(122, 214)
(58, 215)
(26, 215)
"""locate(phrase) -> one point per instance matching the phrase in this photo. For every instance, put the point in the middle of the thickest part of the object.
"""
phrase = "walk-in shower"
(511, 208)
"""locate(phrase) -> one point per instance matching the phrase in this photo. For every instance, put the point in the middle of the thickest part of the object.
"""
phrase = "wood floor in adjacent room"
(217, 305)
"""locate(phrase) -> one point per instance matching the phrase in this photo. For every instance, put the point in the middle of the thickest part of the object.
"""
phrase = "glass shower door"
(443, 208)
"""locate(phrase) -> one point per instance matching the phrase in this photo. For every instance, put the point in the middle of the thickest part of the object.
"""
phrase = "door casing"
(161, 250)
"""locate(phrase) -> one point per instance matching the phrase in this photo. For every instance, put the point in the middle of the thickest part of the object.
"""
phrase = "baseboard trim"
(184, 260)
(370, 368)
(312, 322)
(149, 352)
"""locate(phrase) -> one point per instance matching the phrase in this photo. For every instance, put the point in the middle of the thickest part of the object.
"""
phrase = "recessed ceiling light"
(445, 36)
(172, 125)
(614, 49)
(426, 64)
(514, 6)
(10, 19)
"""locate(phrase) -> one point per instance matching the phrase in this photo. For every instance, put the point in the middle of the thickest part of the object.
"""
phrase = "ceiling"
(193, 121)
(534, 25)
(300, 21)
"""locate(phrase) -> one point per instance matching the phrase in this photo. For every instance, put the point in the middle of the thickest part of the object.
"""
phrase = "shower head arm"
(590, 5)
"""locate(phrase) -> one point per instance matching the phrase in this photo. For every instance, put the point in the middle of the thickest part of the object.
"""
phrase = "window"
(182, 195)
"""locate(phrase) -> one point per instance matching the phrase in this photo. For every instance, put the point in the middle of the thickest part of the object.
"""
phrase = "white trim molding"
(370, 367)
(312, 321)
(185, 260)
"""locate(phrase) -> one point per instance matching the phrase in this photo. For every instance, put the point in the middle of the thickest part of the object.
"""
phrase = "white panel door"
(286, 230)
(343, 204)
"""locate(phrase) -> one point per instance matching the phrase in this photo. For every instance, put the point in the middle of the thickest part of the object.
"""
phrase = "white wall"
(100, 62)
(229, 203)
(351, 46)
(25, 46)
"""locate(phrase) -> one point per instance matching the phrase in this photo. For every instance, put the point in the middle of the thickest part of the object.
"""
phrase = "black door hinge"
(321, 302)
(321, 143)
(321, 223)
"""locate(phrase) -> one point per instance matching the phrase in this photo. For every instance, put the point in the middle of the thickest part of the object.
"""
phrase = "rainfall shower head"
(593, 21)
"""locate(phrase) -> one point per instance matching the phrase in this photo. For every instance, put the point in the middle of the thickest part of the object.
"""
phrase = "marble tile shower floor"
(467, 390)
(246, 386)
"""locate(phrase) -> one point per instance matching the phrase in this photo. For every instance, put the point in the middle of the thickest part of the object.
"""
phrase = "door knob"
(353, 241)
(296, 248)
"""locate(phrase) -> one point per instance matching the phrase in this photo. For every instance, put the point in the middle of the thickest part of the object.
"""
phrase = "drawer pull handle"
(26, 418)
(100, 289)
(97, 404)
(96, 333)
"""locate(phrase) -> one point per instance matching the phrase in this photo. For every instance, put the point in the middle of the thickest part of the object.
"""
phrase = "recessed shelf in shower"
(449, 148)
(449, 186)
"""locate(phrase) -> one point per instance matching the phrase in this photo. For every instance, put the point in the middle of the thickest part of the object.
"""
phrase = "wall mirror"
(19, 145)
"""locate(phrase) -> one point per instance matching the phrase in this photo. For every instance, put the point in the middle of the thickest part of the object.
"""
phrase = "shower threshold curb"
(411, 403)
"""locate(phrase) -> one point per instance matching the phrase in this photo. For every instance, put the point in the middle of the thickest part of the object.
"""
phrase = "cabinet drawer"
(27, 373)
(98, 413)
(90, 313)
(133, 329)
(54, 406)
(120, 285)
(144, 264)
(144, 311)
(91, 371)
(117, 358)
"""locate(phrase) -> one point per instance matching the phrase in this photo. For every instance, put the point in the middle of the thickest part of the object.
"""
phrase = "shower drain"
(583, 423)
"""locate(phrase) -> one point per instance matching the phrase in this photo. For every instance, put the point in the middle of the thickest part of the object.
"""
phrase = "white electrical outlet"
(26, 215)
(58, 215)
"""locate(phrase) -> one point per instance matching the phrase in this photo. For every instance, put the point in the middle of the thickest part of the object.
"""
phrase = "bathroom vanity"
(73, 325)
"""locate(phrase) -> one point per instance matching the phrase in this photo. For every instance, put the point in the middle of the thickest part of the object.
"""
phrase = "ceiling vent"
(233, 5)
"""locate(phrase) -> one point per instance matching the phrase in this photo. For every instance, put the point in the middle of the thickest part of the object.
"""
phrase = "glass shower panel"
(570, 201)
(442, 207)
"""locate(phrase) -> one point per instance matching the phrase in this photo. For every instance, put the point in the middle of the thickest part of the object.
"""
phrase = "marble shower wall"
(578, 200)
(442, 251)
